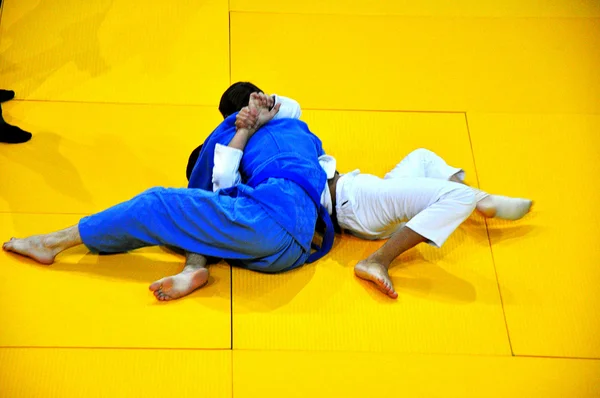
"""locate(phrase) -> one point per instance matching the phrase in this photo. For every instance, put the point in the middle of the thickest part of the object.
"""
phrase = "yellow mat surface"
(75, 373)
(543, 65)
(547, 263)
(376, 141)
(103, 301)
(117, 93)
(86, 157)
(312, 374)
(449, 300)
(116, 50)
(459, 8)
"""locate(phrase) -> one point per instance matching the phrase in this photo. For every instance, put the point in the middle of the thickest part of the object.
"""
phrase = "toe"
(155, 286)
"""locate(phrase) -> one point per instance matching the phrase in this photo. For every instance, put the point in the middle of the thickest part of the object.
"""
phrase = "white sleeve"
(290, 109)
(328, 164)
(226, 167)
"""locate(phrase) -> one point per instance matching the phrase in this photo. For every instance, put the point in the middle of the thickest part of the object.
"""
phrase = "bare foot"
(182, 284)
(35, 247)
(378, 274)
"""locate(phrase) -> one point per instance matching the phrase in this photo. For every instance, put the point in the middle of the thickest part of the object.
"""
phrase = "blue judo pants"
(218, 224)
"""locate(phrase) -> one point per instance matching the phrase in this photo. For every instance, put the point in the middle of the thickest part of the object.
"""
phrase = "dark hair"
(236, 97)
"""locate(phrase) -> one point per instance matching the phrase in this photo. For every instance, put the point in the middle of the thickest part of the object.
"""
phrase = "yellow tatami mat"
(103, 301)
(75, 373)
(314, 374)
(376, 141)
(117, 93)
(436, 64)
(86, 157)
(459, 8)
(548, 263)
(449, 300)
(116, 50)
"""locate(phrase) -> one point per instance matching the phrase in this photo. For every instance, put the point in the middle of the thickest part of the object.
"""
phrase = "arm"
(227, 158)
(226, 169)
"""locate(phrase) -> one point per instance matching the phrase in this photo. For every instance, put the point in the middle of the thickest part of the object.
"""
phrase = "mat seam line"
(415, 353)
(114, 348)
(384, 14)
(33, 213)
(487, 230)
(57, 101)
(422, 354)
(232, 384)
(557, 357)
(175, 105)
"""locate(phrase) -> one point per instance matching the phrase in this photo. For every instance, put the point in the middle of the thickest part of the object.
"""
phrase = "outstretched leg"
(44, 248)
(424, 163)
(193, 276)
(195, 220)
(499, 206)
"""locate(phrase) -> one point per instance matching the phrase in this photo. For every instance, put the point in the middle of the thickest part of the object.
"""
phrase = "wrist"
(245, 132)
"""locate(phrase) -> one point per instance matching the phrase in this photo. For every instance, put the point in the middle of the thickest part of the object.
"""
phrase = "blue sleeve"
(201, 177)
(320, 151)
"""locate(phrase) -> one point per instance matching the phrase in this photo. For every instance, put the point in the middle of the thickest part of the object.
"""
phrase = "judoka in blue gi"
(265, 225)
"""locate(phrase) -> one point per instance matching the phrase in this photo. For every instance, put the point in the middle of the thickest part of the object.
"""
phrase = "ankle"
(486, 209)
(52, 242)
(482, 196)
(379, 259)
(189, 268)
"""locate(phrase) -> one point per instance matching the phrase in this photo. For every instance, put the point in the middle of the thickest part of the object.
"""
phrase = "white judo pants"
(416, 193)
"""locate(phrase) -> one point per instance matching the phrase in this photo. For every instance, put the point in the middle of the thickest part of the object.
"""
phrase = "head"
(236, 97)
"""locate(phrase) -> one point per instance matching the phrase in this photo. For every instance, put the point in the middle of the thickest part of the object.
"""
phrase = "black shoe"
(6, 95)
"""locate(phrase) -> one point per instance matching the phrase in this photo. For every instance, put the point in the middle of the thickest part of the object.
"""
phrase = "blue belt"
(327, 243)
